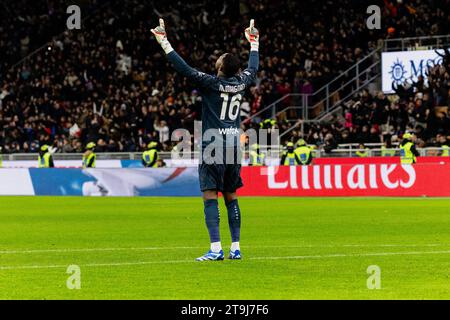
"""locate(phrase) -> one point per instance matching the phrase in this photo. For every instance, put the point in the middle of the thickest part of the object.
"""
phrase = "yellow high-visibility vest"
(267, 123)
(44, 161)
(87, 160)
(290, 159)
(406, 155)
(363, 154)
(149, 156)
(303, 153)
(385, 152)
(445, 151)
(256, 159)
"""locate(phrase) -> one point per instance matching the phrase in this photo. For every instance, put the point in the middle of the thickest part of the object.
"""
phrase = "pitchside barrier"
(133, 159)
(326, 177)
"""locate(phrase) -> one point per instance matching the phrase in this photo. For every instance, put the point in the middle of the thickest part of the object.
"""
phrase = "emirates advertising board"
(382, 179)
(424, 179)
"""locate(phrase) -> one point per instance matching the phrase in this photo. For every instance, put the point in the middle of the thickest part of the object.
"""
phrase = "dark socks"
(234, 220)
(212, 219)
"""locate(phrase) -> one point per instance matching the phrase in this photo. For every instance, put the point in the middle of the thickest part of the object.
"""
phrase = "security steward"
(267, 124)
(150, 157)
(387, 150)
(363, 151)
(303, 152)
(89, 156)
(256, 157)
(445, 146)
(289, 157)
(45, 158)
(408, 152)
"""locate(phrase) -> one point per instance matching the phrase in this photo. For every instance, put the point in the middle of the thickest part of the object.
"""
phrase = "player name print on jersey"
(231, 88)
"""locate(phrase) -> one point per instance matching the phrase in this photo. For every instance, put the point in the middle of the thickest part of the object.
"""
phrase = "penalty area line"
(138, 263)
(93, 249)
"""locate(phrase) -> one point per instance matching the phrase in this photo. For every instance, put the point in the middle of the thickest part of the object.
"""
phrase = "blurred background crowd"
(109, 82)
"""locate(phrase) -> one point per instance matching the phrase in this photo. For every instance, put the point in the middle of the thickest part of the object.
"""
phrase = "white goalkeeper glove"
(252, 35)
(161, 37)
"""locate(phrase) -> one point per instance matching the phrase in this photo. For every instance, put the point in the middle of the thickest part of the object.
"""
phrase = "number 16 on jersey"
(232, 105)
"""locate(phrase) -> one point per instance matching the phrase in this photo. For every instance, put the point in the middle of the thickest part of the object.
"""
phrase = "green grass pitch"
(293, 248)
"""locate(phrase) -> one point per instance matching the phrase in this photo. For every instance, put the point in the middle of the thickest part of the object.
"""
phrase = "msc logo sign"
(400, 66)
(398, 72)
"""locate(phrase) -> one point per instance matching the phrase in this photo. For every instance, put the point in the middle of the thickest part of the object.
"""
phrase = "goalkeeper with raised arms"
(221, 98)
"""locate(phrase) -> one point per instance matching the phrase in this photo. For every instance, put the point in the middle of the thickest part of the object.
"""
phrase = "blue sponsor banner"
(131, 163)
(116, 182)
(58, 182)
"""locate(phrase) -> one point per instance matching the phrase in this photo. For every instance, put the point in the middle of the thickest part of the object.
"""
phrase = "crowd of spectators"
(421, 107)
(110, 83)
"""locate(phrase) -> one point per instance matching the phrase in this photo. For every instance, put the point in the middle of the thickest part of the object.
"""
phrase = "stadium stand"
(376, 118)
(109, 82)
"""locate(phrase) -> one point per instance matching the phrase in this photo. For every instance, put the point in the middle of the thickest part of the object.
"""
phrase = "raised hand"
(160, 31)
(252, 35)
(161, 36)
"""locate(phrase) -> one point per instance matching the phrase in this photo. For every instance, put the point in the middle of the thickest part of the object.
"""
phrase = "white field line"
(339, 255)
(68, 250)
(137, 263)
(93, 249)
